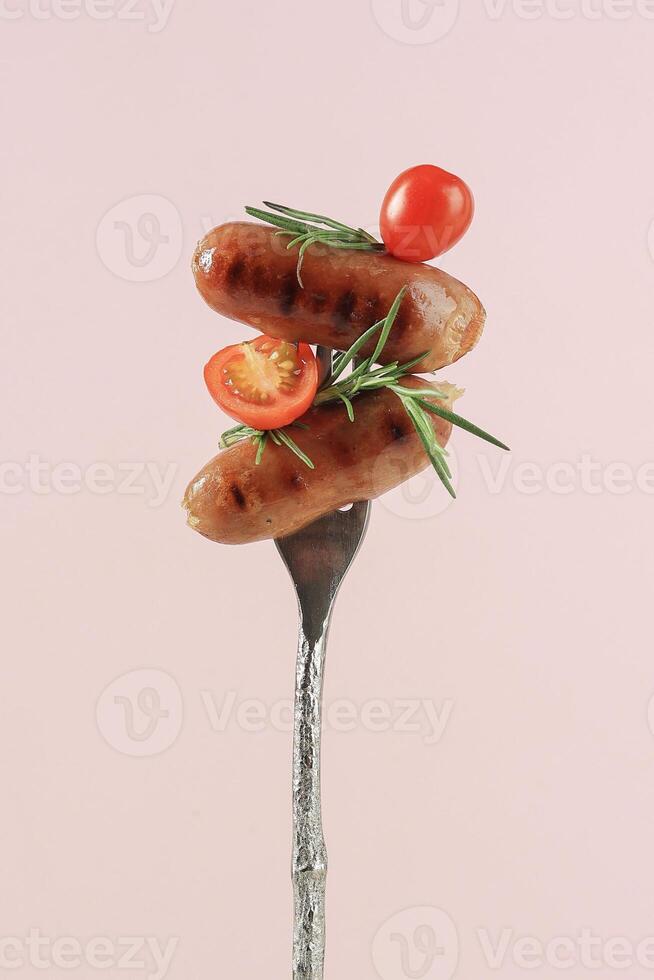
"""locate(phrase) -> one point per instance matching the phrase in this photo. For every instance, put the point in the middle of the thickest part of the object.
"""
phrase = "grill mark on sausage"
(235, 270)
(343, 308)
(288, 292)
(238, 496)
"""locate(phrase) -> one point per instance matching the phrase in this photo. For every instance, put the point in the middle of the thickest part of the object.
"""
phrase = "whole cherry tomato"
(425, 212)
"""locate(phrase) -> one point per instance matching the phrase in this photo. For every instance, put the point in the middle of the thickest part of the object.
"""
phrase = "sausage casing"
(234, 501)
(244, 271)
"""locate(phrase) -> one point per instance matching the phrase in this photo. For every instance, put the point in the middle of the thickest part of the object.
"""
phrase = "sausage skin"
(244, 271)
(234, 501)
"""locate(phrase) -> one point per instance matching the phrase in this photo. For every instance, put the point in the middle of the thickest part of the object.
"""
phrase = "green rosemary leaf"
(274, 219)
(317, 235)
(439, 465)
(295, 241)
(420, 420)
(432, 447)
(388, 324)
(226, 436)
(293, 446)
(343, 360)
(369, 384)
(307, 216)
(443, 474)
(358, 373)
(336, 363)
(368, 237)
(263, 439)
(300, 259)
(406, 367)
(241, 427)
(385, 369)
(348, 406)
(274, 435)
(357, 246)
(418, 393)
(462, 423)
(236, 434)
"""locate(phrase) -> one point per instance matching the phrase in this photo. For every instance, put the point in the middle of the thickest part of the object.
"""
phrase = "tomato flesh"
(425, 212)
(265, 383)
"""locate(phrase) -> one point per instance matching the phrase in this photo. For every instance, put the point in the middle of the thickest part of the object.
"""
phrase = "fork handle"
(309, 851)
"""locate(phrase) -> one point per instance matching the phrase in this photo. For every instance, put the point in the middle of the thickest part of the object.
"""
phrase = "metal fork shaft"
(309, 851)
(317, 558)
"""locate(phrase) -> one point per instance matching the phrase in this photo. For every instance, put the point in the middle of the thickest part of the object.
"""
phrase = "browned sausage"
(245, 272)
(234, 501)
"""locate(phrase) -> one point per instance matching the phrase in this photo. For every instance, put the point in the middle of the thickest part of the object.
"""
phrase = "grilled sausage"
(245, 272)
(234, 501)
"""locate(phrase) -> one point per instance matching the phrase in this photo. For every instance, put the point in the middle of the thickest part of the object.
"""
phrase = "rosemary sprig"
(305, 229)
(259, 438)
(364, 376)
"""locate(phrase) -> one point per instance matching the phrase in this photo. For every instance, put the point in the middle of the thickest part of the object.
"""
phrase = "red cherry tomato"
(265, 383)
(425, 212)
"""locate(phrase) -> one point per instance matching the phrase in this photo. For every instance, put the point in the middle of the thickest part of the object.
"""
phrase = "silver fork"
(318, 558)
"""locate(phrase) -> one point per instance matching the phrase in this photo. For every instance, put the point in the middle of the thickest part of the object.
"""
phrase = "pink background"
(521, 613)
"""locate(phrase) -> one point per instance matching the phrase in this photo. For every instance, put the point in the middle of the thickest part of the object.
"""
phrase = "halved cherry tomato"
(265, 383)
(425, 212)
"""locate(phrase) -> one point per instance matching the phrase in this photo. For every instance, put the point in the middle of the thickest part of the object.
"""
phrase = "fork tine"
(325, 357)
(319, 555)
